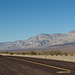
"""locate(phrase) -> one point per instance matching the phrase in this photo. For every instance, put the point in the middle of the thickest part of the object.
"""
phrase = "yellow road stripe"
(40, 64)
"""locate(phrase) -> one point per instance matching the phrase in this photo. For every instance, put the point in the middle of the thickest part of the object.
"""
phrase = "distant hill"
(67, 47)
(42, 40)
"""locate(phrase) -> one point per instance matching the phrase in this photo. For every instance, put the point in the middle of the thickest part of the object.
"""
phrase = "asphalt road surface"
(13, 65)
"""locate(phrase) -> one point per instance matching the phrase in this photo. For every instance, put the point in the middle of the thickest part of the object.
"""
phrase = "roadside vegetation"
(47, 53)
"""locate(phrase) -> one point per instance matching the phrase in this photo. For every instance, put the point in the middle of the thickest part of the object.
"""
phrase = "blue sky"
(22, 19)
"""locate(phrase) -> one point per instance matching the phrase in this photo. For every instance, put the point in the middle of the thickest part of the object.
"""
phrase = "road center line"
(40, 64)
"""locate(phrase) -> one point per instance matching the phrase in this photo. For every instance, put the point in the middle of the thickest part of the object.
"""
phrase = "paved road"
(12, 65)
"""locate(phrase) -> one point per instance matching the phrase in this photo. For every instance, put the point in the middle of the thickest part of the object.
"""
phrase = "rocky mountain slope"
(41, 40)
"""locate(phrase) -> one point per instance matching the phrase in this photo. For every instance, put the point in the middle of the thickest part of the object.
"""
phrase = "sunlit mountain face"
(39, 41)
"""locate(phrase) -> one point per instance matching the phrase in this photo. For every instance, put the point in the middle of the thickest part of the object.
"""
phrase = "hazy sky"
(22, 19)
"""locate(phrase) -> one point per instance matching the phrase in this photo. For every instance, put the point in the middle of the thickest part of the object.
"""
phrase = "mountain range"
(41, 41)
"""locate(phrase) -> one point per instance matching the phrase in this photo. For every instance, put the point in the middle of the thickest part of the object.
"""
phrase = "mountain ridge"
(39, 41)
